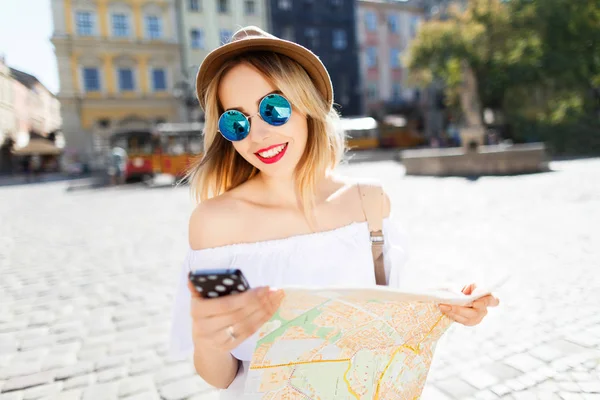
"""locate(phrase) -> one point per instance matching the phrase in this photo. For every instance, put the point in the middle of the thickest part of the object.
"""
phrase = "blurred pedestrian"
(117, 166)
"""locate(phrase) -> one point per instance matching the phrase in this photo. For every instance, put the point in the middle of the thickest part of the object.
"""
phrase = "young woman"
(270, 204)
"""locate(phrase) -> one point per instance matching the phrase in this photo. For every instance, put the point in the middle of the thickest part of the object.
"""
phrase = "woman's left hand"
(471, 315)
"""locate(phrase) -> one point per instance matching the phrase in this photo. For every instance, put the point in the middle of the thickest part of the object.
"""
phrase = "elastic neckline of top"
(301, 236)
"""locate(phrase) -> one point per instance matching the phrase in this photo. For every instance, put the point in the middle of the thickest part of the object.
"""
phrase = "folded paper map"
(340, 343)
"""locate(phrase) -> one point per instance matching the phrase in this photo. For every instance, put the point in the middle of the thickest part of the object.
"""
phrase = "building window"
(194, 5)
(159, 80)
(197, 39)
(120, 25)
(312, 37)
(85, 23)
(223, 6)
(340, 41)
(126, 83)
(372, 91)
(91, 79)
(396, 91)
(284, 4)
(287, 33)
(250, 7)
(414, 25)
(225, 35)
(371, 21)
(371, 57)
(337, 3)
(394, 58)
(153, 27)
(393, 23)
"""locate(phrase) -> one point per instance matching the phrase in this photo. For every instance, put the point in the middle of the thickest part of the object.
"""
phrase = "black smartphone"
(213, 283)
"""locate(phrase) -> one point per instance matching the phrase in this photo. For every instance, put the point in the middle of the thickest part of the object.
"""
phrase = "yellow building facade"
(206, 24)
(119, 62)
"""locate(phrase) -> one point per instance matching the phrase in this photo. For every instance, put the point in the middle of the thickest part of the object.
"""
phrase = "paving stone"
(48, 390)
(525, 395)
(569, 387)
(27, 381)
(181, 389)
(93, 354)
(13, 326)
(112, 361)
(502, 371)
(11, 396)
(19, 369)
(545, 353)
(174, 372)
(147, 396)
(479, 379)
(456, 387)
(105, 391)
(523, 362)
(112, 374)
(59, 361)
(74, 394)
(30, 356)
(80, 381)
(500, 389)
(80, 368)
(570, 396)
(136, 385)
(430, 392)
(590, 387)
(486, 395)
(584, 339)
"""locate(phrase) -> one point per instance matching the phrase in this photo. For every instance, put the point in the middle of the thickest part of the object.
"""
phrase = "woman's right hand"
(244, 312)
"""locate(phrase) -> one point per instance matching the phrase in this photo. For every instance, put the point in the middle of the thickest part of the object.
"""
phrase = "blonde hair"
(221, 168)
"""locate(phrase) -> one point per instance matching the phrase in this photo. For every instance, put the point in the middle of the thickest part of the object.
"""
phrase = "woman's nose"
(259, 129)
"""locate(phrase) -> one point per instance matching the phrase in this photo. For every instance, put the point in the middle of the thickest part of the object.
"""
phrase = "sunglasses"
(274, 109)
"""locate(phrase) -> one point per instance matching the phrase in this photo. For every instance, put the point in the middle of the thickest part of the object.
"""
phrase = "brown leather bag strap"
(371, 197)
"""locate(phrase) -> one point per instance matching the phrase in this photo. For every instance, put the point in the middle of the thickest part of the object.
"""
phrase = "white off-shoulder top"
(338, 257)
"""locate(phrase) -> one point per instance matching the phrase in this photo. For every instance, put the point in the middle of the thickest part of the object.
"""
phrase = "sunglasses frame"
(248, 117)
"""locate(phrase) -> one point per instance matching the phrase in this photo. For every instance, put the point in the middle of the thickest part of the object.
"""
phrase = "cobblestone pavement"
(87, 279)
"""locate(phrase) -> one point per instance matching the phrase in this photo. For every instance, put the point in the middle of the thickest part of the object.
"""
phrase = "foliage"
(534, 60)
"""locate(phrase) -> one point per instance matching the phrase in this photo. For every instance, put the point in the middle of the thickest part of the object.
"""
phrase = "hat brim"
(307, 59)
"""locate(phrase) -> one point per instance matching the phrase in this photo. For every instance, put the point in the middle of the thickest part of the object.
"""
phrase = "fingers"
(465, 315)
(193, 290)
(485, 302)
(248, 326)
(468, 289)
(266, 307)
(245, 321)
(223, 305)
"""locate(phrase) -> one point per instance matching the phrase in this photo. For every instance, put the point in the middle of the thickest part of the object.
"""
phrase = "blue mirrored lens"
(275, 109)
(234, 125)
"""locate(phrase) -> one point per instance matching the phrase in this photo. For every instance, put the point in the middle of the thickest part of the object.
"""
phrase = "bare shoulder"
(361, 189)
(211, 220)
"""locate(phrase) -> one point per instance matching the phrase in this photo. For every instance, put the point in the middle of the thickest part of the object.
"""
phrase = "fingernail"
(445, 308)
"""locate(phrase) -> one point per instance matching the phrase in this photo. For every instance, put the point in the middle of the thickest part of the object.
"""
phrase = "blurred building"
(7, 119)
(118, 63)
(206, 24)
(327, 27)
(29, 114)
(35, 108)
(385, 29)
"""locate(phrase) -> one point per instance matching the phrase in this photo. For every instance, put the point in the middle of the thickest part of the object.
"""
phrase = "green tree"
(536, 61)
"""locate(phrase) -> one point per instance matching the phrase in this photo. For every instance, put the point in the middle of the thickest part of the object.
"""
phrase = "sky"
(25, 31)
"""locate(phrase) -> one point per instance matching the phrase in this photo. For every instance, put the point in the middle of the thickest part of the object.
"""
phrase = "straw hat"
(252, 38)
